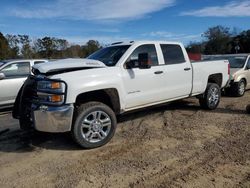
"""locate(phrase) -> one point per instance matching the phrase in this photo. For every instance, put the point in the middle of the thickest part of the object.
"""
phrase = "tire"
(211, 98)
(238, 89)
(94, 125)
(248, 109)
(24, 119)
(25, 123)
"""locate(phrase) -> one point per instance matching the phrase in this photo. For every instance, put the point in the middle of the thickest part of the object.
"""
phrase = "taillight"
(228, 69)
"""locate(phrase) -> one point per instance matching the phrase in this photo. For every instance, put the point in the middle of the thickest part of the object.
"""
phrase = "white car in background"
(13, 73)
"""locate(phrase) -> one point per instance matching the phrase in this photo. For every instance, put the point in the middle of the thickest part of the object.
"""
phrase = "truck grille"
(29, 94)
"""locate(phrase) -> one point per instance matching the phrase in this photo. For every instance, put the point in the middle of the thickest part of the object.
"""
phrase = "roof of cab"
(143, 42)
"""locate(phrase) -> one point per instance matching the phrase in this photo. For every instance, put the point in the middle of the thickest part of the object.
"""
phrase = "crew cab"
(85, 95)
(13, 73)
(239, 69)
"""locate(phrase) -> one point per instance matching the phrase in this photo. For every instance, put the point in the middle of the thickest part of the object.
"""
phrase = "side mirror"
(2, 76)
(130, 64)
(144, 61)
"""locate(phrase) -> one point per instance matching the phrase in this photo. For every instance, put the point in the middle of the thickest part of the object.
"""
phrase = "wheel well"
(244, 79)
(109, 97)
(215, 78)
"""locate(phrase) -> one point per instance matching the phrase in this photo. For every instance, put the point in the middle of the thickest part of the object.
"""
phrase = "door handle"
(187, 69)
(158, 72)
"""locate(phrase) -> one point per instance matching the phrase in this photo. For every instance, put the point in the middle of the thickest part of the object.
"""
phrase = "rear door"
(177, 72)
(15, 75)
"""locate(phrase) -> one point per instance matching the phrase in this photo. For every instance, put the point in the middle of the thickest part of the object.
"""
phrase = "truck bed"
(202, 70)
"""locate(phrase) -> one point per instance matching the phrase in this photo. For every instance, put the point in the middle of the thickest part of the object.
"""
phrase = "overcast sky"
(114, 20)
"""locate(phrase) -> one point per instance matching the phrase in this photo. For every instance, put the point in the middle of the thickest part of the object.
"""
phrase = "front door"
(142, 85)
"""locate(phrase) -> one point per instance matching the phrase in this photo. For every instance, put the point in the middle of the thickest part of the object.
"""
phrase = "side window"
(147, 48)
(172, 54)
(38, 62)
(248, 64)
(21, 69)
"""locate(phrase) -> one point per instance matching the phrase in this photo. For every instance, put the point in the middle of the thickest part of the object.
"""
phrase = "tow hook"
(43, 108)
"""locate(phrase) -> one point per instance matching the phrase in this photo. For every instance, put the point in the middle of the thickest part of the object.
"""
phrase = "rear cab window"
(172, 54)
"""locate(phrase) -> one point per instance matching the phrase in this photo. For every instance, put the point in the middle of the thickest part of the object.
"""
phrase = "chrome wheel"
(95, 126)
(214, 96)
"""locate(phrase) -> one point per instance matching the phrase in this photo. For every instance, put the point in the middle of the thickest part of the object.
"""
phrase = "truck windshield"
(110, 55)
(234, 61)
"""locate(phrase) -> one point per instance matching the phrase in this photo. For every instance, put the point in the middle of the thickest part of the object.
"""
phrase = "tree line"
(216, 40)
(222, 40)
(22, 46)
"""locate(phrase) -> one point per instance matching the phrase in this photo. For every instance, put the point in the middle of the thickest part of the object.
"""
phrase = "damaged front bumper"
(52, 119)
(43, 117)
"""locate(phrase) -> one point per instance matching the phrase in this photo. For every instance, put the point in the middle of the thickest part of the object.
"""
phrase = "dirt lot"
(176, 145)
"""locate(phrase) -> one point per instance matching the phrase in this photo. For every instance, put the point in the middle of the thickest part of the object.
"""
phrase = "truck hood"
(66, 65)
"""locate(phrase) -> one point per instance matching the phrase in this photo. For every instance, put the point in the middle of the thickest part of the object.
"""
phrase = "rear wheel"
(211, 98)
(94, 126)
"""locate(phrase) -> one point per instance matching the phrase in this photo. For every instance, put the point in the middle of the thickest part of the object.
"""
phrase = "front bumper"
(52, 119)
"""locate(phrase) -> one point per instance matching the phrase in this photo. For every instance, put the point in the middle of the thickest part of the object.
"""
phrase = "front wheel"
(211, 98)
(239, 88)
(94, 126)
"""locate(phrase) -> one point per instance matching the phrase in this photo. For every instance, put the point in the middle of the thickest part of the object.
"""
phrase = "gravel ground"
(176, 145)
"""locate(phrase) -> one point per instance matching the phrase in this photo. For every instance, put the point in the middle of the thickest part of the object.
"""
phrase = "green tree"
(74, 51)
(195, 47)
(243, 42)
(4, 47)
(46, 46)
(91, 46)
(217, 40)
(26, 49)
(13, 41)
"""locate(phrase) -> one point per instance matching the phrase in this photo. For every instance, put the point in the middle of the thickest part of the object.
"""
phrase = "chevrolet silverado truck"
(83, 96)
(240, 72)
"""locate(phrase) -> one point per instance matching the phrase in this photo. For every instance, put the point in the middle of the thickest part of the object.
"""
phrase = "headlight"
(51, 92)
(51, 85)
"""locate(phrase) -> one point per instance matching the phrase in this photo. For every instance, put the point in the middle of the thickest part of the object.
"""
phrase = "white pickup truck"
(85, 95)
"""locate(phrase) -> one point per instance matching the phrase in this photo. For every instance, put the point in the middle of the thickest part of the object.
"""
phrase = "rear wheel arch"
(216, 79)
